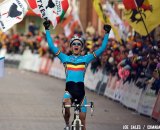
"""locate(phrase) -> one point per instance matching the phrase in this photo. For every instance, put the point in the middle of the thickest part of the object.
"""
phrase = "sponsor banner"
(125, 97)
(12, 12)
(57, 69)
(45, 65)
(111, 86)
(91, 80)
(53, 10)
(26, 60)
(101, 85)
(1, 67)
(117, 92)
(36, 62)
(134, 96)
(147, 102)
(156, 110)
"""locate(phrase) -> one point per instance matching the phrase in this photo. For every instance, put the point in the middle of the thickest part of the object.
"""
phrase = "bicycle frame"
(76, 119)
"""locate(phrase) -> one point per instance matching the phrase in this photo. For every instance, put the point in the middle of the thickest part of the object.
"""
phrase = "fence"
(143, 101)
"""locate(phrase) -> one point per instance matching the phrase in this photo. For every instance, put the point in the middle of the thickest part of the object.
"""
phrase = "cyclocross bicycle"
(76, 123)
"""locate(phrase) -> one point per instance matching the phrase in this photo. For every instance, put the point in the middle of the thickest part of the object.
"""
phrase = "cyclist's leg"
(67, 101)
(83, 113)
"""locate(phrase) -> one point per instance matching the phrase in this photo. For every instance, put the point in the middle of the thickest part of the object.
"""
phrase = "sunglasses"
(76, 44)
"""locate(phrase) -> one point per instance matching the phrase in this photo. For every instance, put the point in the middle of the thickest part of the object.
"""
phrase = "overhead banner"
(53, 10)
(148, 9)
(12, 12)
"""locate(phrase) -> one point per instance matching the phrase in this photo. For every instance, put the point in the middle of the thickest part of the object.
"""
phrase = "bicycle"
(76, 123)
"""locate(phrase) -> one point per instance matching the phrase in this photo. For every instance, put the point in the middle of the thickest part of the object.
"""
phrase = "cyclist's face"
(76, 47)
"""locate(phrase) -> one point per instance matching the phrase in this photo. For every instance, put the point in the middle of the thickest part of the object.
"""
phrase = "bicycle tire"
(77, 125)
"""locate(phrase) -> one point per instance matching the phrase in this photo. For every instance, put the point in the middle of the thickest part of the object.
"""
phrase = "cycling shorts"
(76, 92)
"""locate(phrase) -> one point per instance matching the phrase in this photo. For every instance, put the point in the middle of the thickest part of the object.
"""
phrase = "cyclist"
(75, 66)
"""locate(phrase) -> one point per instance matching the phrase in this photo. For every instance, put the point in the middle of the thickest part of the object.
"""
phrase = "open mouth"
(76, 48)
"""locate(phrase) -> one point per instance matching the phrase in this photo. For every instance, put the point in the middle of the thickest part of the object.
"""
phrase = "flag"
(12, 12)
(69, 24)
(1, 67)
(116, 21)
(133, 4)
(53, 10)
(150, 12)
(98, 8)
(71, 21)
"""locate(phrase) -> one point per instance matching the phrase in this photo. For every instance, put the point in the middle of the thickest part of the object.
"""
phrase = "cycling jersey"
(75, 66)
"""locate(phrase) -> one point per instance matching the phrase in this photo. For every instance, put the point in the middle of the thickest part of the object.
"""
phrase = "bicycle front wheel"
(76, 126)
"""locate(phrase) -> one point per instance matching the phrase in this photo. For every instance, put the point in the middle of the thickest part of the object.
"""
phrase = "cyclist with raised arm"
(75, 66)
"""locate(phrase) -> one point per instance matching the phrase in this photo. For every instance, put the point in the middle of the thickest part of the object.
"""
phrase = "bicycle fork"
(77, 122)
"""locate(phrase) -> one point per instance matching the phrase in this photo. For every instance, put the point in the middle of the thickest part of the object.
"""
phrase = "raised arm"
(99, 51)
(51, 45)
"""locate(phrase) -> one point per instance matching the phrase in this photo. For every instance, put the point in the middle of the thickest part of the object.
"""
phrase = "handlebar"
(77, 105)
(90, 104)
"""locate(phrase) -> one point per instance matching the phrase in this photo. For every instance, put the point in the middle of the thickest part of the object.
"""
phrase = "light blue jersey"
(76, 65)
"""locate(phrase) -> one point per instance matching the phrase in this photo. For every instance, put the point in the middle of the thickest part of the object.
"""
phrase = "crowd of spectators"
(135, 60)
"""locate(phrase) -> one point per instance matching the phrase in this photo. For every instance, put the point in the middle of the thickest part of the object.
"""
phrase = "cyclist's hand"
(107, 28)
(46, 24)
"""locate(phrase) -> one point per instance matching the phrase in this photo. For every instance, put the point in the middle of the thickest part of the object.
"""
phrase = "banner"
(53, 10)
(1, 67)
(98, 8)
(149, 10)
(91, 79)
(57, 69)
(111, 86)
(116, 21)
(12, 12)
(102, 84)
(147, 102)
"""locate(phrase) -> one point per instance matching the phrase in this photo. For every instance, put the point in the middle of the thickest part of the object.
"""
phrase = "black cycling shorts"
(76, 90)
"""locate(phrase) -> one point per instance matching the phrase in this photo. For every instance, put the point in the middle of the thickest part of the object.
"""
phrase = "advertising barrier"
(26, 60)
(111, 87)
(147, 102)
(57, 69)
(45, 65)
(1, 67)
(92, 79)
(156, 110)
(36, 62)
(134, 96)
(128, 94)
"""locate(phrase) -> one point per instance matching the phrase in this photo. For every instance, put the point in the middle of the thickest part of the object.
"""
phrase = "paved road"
(29, 101)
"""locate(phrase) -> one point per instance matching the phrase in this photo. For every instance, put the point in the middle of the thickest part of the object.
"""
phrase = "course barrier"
(1, 66)
(144, 101)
